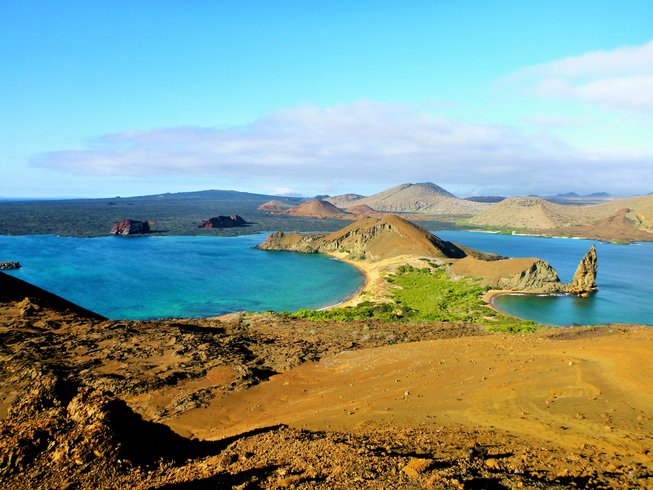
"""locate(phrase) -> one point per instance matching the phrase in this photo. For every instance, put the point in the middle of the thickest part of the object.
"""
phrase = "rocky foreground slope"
(233, 403)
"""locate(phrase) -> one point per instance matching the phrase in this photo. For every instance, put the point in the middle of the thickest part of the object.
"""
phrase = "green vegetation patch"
(427, 295)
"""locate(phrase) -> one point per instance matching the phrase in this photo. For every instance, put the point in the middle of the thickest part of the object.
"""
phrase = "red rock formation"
(223, 222)
(130, 227)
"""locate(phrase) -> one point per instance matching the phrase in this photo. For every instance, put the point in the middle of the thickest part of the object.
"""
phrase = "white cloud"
(363, 143)
(627, 60)
(620, 79)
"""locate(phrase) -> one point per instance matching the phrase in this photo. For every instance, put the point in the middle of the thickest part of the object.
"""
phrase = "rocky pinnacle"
(584, 280)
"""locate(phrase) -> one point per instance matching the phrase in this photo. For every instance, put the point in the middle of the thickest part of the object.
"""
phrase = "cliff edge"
(530, 275)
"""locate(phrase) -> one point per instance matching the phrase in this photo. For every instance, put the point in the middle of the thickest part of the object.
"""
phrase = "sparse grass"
(502, 230)
(427, 295)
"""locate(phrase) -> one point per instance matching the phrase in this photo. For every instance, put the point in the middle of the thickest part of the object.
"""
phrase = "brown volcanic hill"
(362, 210)
(524, 212)
(274, 206)
(640, 210)
(369, 238)
(533, 213)
(424, 198)
(344, 200)
(618, 226)
(316, 209)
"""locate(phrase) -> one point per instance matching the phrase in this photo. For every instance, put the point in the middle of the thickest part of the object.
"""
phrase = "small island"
(130, 227)
(9, 265)
(223, 222)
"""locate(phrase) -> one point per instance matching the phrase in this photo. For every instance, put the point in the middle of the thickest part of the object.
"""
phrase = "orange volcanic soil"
(266, 401)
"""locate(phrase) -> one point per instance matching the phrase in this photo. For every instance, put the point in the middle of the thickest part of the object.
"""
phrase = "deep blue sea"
(162, 277)
(625, 278)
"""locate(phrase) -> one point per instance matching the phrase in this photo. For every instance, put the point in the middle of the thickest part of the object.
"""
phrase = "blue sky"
(137, 97)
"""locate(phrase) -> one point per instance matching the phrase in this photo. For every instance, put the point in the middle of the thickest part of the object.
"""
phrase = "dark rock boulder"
(584, 281)
(130, 227)
(5, 266)
(223, 222)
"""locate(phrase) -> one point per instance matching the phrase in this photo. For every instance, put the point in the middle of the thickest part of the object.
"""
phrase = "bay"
(178, 276)
(183, 276)
(625, 278)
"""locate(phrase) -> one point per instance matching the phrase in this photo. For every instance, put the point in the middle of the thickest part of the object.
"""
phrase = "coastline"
(348, 300)
(356, 296)
(489, 297)
(375, 287)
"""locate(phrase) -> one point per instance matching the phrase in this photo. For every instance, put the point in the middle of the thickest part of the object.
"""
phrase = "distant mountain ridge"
(622, 216)
(344, 200)
(213, 194)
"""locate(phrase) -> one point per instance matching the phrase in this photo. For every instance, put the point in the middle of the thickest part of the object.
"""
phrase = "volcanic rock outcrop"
(530, 275)
(520, 274)
(584, 280)
(130, 227)
(5, 266)
(68, 430)
(223, 222)
(370, 239)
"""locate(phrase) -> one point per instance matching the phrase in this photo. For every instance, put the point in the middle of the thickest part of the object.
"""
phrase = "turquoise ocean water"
(159, 277)
(625, 278)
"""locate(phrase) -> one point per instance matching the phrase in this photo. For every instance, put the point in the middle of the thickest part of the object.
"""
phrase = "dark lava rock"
(223, 222)
(9, 265)
(130, 227)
